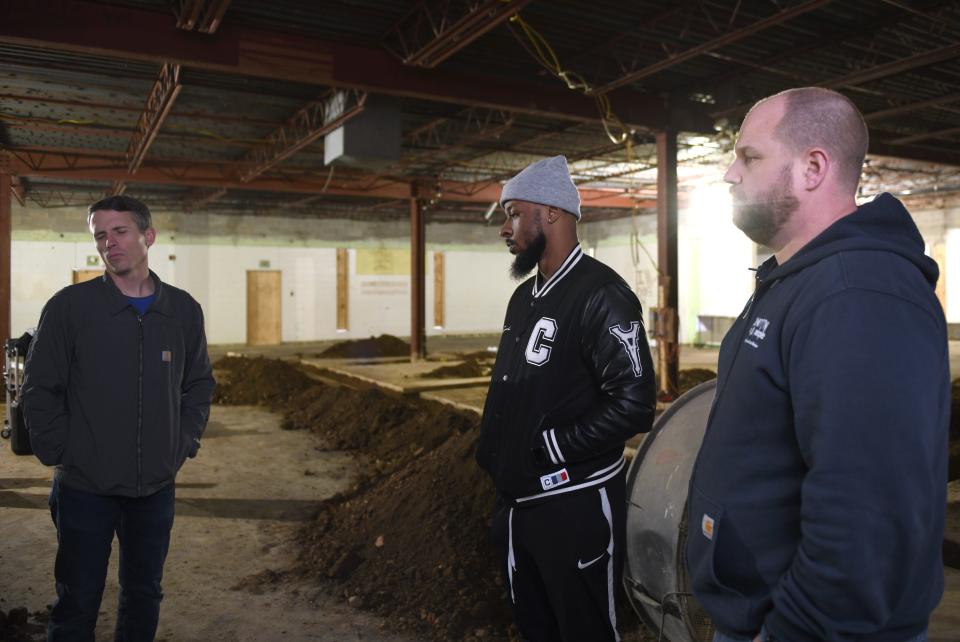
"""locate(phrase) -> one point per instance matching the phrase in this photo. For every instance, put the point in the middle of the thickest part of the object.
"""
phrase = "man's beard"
(528, 258)
(764, 217)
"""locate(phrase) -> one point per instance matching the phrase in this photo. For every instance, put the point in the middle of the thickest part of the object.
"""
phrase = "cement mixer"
(655, 576)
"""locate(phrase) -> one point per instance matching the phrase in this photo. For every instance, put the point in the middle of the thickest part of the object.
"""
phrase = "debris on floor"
(386, 345)
(258, 381)
(410, 539)
(692, 377)
(15, 625)
(470, 367)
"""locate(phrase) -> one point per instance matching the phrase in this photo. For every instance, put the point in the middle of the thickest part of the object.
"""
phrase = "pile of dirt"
(258, 381)
(15, 625)
(692, 377)
(387, 430)
(468, 368)
(410, 539)
(418, 517)
(386, 345)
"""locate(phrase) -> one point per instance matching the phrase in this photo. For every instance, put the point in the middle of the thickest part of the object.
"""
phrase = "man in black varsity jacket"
(573, 380)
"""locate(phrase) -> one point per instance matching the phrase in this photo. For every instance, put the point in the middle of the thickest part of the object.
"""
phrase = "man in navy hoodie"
(816, 506)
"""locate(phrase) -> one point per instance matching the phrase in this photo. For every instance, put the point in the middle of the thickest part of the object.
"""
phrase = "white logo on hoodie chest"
(757, 332)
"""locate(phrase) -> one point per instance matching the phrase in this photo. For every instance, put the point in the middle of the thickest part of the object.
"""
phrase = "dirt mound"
(470, 367)
(258, 381)
(691, 377)
(386, 345)
(414, 547)
(15, 625)
(417, 519)
(388, 430)
(410, 540)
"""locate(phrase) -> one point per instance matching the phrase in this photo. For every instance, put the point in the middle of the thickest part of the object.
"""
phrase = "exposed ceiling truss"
(83, 109)
(434, 31)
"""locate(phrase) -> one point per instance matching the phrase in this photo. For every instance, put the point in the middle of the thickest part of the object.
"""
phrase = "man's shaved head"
(817, 117)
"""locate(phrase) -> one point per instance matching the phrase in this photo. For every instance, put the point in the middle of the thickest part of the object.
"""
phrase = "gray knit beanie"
(546, 182)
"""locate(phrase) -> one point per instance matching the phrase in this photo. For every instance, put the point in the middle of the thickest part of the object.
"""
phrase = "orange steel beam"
(225, 175)
(306, 126)
(90, 28)
(159, 103)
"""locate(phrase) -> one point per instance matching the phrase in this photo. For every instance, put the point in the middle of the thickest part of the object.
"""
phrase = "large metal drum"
(655, 577)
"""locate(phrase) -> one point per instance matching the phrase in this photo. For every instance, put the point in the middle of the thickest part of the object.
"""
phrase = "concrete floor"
(403, 376)
(230, 510)
(239, 508)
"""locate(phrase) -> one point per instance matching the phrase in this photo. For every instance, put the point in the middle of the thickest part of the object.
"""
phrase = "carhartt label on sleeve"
(166, 355)
(706, 525)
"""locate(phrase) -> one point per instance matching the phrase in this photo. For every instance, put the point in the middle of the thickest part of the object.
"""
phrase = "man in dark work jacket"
(816, 507)
(572, 381)
(116, 395)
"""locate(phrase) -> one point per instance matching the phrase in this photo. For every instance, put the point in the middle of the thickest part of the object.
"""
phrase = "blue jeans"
(721, 637)
(85, 525)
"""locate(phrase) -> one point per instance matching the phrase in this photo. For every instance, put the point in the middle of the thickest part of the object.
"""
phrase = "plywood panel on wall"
(438, 287)
(79, 276)
(343, 282)
(263, 307)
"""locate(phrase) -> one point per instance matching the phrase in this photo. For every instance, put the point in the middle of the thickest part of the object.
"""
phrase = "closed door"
(79, 276)
(263, 307)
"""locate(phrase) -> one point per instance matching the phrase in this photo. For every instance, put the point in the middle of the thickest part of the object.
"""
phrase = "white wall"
(209, 256)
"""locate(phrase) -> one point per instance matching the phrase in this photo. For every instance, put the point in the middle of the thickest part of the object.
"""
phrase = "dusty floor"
(242, 500)
(238, 506)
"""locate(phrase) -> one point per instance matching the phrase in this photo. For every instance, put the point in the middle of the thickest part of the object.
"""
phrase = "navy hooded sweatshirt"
(816, 506)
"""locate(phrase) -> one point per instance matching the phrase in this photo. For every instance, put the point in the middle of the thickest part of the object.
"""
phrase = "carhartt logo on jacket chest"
(757, 332)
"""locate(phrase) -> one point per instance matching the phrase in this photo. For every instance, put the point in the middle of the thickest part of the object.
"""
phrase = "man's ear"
(553, 213)
(817, 164)
(150, 236)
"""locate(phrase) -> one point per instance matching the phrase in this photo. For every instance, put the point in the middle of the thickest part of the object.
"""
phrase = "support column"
(418, 262)
(666, 331)
(6, 194)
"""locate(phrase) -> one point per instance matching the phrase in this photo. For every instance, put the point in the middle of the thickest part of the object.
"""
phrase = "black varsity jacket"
(573, 380)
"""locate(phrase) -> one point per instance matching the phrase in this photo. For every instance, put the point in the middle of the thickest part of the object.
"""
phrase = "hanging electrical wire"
(538, 47)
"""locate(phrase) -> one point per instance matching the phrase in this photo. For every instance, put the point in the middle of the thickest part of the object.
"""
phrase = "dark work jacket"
(816, 506)
(573, 380)
(115, 400)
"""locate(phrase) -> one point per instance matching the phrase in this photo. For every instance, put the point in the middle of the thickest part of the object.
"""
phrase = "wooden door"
(439, 305)
(79, 276)
(263, 307)
(343, 287)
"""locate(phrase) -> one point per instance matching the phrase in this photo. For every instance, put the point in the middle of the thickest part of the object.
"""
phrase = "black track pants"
(563, 561)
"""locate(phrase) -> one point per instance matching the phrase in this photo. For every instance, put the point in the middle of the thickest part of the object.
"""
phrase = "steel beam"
(943, 133)
(202, 15)
(432, 31)
(307, 125)
(912, 107)
(667, 326)
(418, 261)
(224, 175)
(894, 67)
(19, 191)
(6, 192)
(91, 28)
(160, 101)
(722, 41)
(200, 197)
